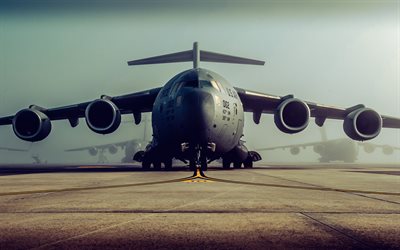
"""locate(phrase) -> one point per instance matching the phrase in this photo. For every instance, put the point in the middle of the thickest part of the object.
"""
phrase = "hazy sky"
(339, 53)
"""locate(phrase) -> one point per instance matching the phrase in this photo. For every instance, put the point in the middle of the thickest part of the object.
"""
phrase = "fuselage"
(197, 107)
(337, 150)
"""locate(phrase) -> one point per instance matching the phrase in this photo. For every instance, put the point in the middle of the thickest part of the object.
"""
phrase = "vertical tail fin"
(196, 55)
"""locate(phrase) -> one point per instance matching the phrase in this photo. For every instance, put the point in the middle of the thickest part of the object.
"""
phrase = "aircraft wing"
(369, 145)
(300, 145)
(101, 146)
(130, 103)
(265, 103)
(13, 149)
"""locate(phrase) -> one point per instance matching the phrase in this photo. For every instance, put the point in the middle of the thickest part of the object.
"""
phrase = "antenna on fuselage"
(196, 55)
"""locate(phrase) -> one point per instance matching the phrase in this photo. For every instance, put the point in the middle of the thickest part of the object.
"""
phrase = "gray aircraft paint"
(322, 52)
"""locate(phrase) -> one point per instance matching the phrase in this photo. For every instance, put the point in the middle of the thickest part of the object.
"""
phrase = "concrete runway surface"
(268, 207)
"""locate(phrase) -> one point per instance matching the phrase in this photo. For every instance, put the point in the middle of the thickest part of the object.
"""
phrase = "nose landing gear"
(198, 159)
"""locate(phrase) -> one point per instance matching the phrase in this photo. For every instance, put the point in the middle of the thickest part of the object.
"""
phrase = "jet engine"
(102, 116)
(31, 125)
(362, 124)
(369, 148)
(92, 151)
(319, 148)
(387, 150)
(294, 150)
(112, 149)
(292, 116)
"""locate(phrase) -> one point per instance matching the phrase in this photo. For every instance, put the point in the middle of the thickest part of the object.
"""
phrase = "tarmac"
(316, 206)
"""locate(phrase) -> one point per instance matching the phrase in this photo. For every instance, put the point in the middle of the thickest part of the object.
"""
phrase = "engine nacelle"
(102, 116)
(31, 125)
(319, 148)
(112, 149)
(368, 148)
(92, 151)
(294, 150)
(362, 124)
(292, 116)
(387, 150)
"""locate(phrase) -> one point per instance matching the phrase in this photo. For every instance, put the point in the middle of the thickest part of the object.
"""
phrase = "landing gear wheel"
(237, 164)
(157, 165)
(168, 164)
(203, 165)
(248, 164)
(226, 164)
(146, 165)
(192, 165)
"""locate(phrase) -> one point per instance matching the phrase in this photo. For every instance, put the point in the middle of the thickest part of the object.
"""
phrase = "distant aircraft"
(197, 115)
(35, 157)
(130, 147)
(38, 160)
(342, 149)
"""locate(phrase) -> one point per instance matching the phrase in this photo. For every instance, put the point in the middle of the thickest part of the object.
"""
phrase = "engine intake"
(362, 124)
(292, 116)
(102, 116)
(31, 125)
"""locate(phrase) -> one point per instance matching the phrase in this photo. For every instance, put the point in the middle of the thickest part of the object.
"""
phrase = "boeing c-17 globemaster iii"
(197, 116)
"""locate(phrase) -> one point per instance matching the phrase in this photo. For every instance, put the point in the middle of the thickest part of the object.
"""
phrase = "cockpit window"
(190, 84)
(175, 88)
(215, 85)
(205, 84)
(209, 84)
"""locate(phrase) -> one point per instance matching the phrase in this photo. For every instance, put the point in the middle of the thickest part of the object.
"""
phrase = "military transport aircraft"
(341, 149)
(197, 115)
(130, 147)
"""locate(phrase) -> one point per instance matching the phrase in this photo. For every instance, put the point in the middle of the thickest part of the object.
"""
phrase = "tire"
(168, 164)
(204, 165)
(192, 166)
(146, 165)
(226, 164)
(248, 164)
(157, 165)
(237, 164)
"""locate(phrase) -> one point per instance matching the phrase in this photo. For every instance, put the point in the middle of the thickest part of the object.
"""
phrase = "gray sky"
(341, 53)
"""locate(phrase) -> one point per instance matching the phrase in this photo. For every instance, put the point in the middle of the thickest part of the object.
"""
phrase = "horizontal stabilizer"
(185, 56)
(207, 56)
(195, 55)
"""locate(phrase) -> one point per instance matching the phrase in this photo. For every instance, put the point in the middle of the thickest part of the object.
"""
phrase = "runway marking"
(95, 167)
(318, 186)
(89, 188)
(129, 221)
(306, 188)
(200, 177)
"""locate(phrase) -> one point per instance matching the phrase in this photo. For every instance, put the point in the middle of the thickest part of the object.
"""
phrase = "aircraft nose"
(199, 111)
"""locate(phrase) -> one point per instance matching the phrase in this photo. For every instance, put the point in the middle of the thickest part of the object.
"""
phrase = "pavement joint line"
(127, 222)
(375, 198)
(313, 187)
(194, 212)
(337, 230)
(306, 188)
(365, 196)
(353, 192)
(89, 188)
